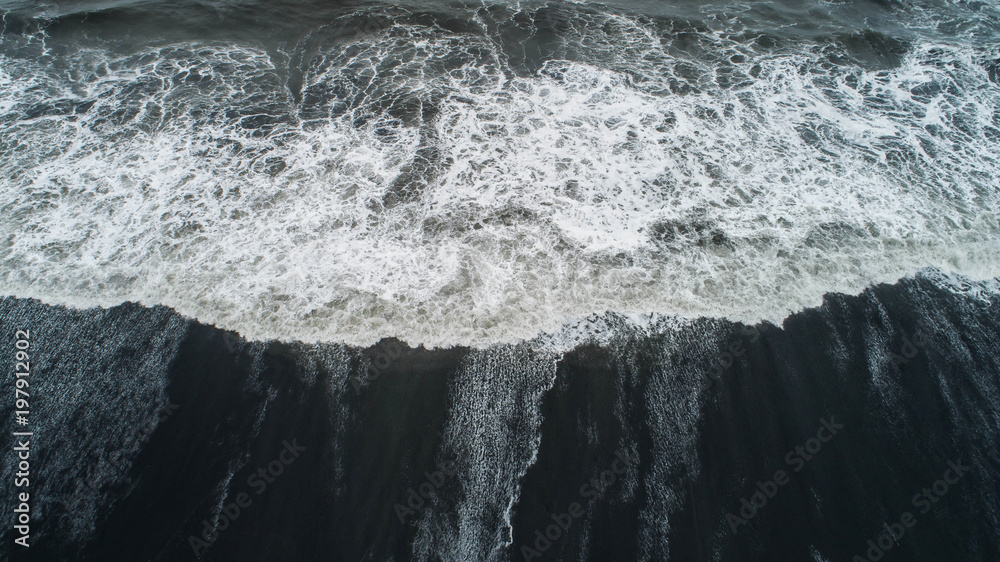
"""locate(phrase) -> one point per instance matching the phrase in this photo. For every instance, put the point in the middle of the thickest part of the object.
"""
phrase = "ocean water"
(451, 264)
(477, 174)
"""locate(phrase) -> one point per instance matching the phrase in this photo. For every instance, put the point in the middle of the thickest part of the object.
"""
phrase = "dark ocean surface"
(147, 424)
(501, 280)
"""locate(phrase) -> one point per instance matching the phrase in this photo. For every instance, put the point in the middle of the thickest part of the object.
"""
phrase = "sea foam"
(417, 185)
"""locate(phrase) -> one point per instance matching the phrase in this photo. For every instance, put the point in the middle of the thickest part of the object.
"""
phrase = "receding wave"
(471, 184)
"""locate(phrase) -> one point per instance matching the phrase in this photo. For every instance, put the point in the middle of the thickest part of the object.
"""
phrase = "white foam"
(493, 434)
(518, 203)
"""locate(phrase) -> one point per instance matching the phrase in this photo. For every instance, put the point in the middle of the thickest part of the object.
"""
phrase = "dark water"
(625, 281)
(194, 412)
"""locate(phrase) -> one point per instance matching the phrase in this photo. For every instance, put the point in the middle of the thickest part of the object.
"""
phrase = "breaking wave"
(475, 182)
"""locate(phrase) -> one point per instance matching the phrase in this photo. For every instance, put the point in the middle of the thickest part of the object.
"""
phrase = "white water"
(493, 434)
(522, 203)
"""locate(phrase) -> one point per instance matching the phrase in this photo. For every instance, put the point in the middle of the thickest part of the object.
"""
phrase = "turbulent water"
(476, 259)
(467, 174)
(149, 427)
